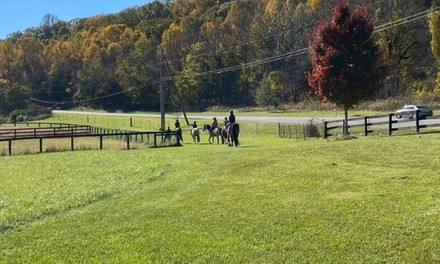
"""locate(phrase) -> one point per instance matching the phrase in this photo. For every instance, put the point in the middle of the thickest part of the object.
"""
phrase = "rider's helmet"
(231, 112)
(215, 118)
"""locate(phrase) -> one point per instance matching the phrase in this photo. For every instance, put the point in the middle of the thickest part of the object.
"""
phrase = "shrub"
(312, 130)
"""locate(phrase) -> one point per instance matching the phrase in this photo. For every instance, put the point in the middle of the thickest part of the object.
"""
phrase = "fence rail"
(387, 123)
(62, 131)
(43, 131)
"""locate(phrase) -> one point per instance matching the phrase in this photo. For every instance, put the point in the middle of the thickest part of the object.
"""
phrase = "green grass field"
(367, 200)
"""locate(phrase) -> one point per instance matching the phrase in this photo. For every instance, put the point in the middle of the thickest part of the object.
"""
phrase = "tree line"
(202, 53)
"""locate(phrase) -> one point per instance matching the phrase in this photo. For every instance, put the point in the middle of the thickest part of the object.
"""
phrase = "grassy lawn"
(367, 200)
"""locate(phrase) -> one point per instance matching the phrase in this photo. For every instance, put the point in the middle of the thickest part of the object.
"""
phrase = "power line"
(300, 51)
(260, 40)
(278, 57)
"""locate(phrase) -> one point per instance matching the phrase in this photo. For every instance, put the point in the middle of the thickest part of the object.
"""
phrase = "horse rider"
(231, 117)
(194, 125)
(225, 122)
(231, 120)
(214, 124)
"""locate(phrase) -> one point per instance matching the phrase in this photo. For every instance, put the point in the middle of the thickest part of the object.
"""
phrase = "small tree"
(347, 65)
(265, 95)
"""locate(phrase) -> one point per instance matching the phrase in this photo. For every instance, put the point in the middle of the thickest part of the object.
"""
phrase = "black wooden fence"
(60, 131)
(43, 131)
(381, 123)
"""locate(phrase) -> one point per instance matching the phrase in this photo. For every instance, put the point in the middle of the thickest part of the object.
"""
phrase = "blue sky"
(17, 15)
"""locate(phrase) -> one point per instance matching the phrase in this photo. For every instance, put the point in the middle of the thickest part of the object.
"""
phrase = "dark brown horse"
(232, 132)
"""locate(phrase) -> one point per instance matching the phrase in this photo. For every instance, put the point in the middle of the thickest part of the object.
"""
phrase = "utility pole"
(162, 95)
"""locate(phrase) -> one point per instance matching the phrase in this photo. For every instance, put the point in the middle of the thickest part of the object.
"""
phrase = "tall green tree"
(347, 65)
(138, 71)
(265, 93)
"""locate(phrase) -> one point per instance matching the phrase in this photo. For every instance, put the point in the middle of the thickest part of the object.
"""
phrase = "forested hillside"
(203, 52)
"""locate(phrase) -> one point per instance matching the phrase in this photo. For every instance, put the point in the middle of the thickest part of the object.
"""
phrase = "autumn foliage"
(347, 65)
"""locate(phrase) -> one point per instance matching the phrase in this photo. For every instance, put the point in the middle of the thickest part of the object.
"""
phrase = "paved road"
(404, 122)
(257, 119)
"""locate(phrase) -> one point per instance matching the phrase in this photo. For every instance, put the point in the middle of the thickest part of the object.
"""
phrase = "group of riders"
(227, 123)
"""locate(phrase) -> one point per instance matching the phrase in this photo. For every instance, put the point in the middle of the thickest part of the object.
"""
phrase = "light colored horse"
(215, 133)
(195, 133)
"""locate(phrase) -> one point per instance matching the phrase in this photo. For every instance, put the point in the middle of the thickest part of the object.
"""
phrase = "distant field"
(366, 200)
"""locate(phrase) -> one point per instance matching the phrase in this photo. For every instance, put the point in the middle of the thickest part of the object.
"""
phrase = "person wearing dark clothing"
(167, 135)
(194, 125)
(177, 123)
(231, 122)
(231, 117)
(179, 135)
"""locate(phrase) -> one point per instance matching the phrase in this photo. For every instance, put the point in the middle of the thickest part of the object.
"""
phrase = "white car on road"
(410, 111)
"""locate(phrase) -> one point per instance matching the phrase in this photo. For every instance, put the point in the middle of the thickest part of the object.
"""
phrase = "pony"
(195, 133)
(232, 134)
(215, 133)
(179, 135)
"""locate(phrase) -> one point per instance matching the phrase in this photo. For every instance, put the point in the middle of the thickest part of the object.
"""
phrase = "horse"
(232, 134)
(195, 133)
(215, 133)
(179, 135)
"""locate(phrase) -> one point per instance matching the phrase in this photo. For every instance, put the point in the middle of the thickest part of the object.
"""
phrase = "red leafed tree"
(348, 66)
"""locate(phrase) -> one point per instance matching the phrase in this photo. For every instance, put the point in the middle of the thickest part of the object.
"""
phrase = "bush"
(312, 130)
(18, 115)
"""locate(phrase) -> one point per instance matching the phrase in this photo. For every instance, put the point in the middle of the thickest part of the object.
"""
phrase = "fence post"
(41, 145)
(279, 130)
(131, 122)
(417, 121)
(325, 129)
(10, 147)
(71, 144)
(390, 124)
(128, 140)
(100, 142)
(366, 126)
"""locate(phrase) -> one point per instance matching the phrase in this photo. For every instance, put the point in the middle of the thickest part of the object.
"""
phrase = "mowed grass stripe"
(366, 200)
